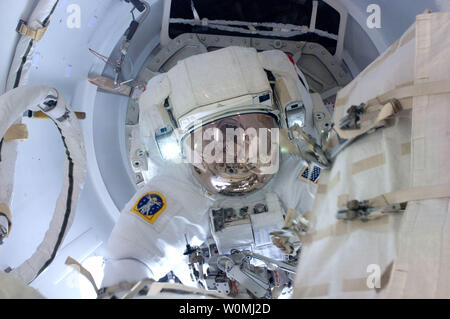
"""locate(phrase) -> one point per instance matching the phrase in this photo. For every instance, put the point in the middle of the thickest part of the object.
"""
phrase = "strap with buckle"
(351, 120)
(35, 34)
(363, 211)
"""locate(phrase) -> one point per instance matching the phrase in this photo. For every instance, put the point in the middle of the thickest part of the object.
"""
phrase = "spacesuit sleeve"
(148, 240)
(125, 270)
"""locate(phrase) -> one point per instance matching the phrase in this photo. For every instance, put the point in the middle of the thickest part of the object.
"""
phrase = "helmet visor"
(235, 155)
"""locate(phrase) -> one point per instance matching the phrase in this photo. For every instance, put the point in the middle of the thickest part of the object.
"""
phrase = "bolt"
(140, 153)
(320, 116)
(137, 164)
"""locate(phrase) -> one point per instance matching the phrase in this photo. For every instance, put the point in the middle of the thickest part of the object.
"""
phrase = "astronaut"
(218, 179)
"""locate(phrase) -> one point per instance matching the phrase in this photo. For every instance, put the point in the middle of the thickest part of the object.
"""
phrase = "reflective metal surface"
(235, 155)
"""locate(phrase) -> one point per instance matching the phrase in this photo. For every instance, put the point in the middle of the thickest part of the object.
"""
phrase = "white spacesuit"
(174, 208)
(293, 203)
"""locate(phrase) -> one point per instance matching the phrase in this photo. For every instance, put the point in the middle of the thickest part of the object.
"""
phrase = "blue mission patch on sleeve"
(150, 206)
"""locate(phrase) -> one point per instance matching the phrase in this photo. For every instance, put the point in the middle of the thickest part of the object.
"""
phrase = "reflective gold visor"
(235, 155)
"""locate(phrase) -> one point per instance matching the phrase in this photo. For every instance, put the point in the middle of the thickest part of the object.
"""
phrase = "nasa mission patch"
(150, 206)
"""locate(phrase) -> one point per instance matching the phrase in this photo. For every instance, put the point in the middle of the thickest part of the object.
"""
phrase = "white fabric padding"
(215, 76)
(393, 68)
(11, 288)
(150, 119)
(422, 267)
(411, 248)
(336, 254)
(12, 105)
(279, 64)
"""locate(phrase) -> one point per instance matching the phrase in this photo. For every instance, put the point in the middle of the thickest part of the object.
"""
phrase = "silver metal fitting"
(363, 211)
(351, 120)
(64, 117)
(3, 229)
(49, 103)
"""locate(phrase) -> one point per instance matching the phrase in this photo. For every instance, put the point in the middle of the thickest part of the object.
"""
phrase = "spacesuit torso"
(149, 239)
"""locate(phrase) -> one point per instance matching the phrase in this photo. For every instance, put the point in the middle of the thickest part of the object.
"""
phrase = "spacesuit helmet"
(234, 155)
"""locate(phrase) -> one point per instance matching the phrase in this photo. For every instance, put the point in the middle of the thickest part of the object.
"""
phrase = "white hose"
(288, 30)
(12, 105)
(18, 76)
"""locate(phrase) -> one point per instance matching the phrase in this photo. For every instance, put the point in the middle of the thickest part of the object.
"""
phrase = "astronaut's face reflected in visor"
(234, 155)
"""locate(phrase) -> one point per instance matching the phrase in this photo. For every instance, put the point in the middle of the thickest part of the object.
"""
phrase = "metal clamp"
(35, 34)
(281, 264)
(5, 222)
(363, 211)
(314, 153)
(3, 233)
(351, 120)
(49, 103)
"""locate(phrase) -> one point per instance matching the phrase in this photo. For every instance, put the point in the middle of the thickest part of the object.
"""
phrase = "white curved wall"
(65, 63)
